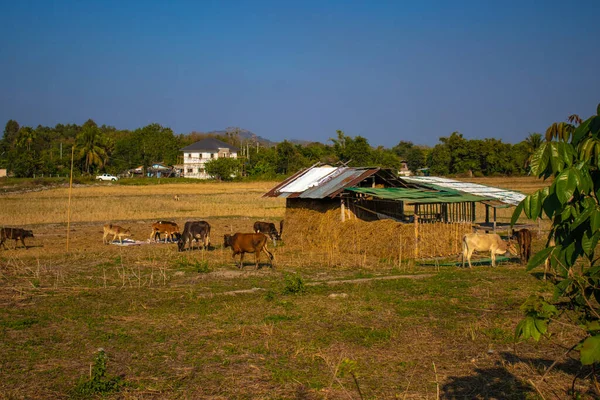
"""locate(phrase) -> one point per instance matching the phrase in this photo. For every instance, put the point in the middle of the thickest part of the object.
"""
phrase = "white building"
(197, 154)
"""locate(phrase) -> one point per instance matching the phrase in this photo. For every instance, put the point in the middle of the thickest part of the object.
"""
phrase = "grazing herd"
(197, 233)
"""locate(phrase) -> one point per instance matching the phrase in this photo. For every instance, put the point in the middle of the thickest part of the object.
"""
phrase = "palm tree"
(533, 142)
(92, 147)
(26, 137)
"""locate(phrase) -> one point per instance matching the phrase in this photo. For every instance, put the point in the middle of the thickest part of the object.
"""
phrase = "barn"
(428, 215)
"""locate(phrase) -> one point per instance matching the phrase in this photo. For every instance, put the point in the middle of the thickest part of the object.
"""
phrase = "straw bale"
(389, 240)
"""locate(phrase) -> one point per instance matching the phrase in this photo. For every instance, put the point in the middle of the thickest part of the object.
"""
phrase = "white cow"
(485, 242)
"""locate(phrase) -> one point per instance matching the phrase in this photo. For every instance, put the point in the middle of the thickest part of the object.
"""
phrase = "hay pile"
(387, 240)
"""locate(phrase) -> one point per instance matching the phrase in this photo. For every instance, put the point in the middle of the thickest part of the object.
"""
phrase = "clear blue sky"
(389, 71)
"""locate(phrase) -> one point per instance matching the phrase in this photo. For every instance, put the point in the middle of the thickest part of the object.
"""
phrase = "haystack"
(387, 240)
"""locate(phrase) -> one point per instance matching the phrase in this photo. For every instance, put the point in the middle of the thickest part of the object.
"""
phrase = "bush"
(293, 284)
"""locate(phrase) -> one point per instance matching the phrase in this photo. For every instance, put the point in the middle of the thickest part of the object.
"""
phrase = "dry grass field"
(192, 325)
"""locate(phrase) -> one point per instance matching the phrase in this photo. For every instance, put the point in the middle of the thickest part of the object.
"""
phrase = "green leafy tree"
(223, 168)
(439, 160)
(11, 130)
(356, 151)
(415, 158)
(289, 158)
(571, 156)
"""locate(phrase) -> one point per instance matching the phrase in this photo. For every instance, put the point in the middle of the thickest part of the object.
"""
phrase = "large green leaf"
(556, 159)
(582, 217)
(516, 214)
(527, 329)
(535, 204)
(540, 159)
(590, 350)
(581, 131)
(551, 205)
(539, 258)
(565, 185)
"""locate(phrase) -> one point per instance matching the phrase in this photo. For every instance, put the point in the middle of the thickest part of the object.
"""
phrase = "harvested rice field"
(333, 318)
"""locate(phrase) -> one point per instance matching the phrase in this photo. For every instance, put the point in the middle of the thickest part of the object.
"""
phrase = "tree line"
(46, 151)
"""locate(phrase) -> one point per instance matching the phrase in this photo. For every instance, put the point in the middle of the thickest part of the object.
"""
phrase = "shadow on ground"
(498, 382)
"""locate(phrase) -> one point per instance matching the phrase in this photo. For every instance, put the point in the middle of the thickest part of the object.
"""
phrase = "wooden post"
(343, 210)
(416, 236)
(487, 214)
(69, 206)
(494, 219)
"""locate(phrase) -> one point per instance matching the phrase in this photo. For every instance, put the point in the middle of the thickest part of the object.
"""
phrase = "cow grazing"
(116, 231)
(242, 243)
(169, 228)
(269, 229)
(176, 197)
(523, 238)
(485, 242)
(16, 234)
(194, 230)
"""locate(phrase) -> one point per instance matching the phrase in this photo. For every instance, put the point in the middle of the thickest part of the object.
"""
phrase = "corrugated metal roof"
(309, 179)
(337, 182)
(503, 195)
(414, 196)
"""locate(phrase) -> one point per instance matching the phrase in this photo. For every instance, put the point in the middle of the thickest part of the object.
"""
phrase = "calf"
(523, 238)
(269, 229)
(194, 230)
(116, 231)
(176, 197)
(485, 242)
(169, 228)
(16, 234)
(242, 243)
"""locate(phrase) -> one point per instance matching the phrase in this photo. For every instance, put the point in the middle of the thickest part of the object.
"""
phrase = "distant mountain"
(244, 134)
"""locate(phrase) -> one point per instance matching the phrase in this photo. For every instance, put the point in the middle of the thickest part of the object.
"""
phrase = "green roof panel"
(420, 196)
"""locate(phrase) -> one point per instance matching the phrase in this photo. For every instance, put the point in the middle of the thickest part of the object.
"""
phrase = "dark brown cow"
(269, 229)
(169, 228)
(242, 243)
(524, 238)
(194, 230)
(16, 234)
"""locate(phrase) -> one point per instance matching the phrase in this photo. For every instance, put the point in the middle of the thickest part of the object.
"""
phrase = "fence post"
(416, 236)
(343, 210)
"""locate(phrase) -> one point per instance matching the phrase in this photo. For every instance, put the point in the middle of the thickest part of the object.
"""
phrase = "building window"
(212, 155)
(201, 170)
(190, 170)
(189, 155)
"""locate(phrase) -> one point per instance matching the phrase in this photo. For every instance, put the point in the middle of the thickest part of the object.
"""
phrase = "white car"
(106, 177)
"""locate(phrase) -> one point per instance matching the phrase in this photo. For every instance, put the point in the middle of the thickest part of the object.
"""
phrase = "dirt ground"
(192, 325)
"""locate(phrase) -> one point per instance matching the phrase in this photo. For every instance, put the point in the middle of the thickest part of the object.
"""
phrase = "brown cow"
(116, 231)
(169, 228)
(242, 243)
(523, 238)
(16, 234)
(485, 242)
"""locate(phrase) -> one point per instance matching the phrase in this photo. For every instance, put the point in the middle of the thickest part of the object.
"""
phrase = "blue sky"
(388, 71)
